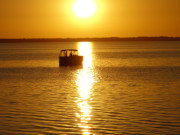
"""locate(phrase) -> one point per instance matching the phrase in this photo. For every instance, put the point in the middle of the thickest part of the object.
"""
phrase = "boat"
(70, 57)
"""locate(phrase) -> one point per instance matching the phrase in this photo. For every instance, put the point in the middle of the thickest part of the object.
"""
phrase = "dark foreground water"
(123, 88)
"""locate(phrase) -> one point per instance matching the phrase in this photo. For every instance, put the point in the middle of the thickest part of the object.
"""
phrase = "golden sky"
(121, 18)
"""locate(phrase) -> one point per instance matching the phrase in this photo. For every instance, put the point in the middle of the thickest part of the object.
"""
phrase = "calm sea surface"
(123, 88)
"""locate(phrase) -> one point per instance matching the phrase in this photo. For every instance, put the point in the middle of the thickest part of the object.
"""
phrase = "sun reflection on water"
(85, 81)
(85, 49)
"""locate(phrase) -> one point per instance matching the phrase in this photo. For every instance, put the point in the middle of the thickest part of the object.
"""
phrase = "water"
(123, 88)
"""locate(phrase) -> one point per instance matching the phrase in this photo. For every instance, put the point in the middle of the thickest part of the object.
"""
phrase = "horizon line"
(95, 39)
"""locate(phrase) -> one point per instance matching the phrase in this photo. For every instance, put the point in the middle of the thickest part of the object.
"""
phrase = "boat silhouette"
(70, 57)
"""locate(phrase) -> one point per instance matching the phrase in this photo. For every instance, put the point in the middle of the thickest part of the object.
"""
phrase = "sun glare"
(84, 8)
(85, 82)
(85, 49)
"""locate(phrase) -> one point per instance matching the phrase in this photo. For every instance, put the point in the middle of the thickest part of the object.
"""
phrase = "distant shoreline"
(108, 39)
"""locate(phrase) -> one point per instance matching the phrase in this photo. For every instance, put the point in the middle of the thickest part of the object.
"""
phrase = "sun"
(84, 8)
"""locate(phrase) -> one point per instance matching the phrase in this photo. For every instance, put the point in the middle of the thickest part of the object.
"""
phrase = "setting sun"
(84, 8)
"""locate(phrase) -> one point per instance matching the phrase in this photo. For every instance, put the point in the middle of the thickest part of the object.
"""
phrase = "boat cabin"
(70, 57)
(68, 53)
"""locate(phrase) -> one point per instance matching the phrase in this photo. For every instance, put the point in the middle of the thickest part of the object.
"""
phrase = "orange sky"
(122, 18)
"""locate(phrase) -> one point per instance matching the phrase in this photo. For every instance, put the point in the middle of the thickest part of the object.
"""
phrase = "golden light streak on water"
(85, 81)
(85, 49)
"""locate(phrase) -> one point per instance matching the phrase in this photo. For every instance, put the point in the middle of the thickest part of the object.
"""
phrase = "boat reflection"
(85, 81)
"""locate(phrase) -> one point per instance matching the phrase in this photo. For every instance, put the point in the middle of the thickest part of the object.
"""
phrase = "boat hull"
(71, 61)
